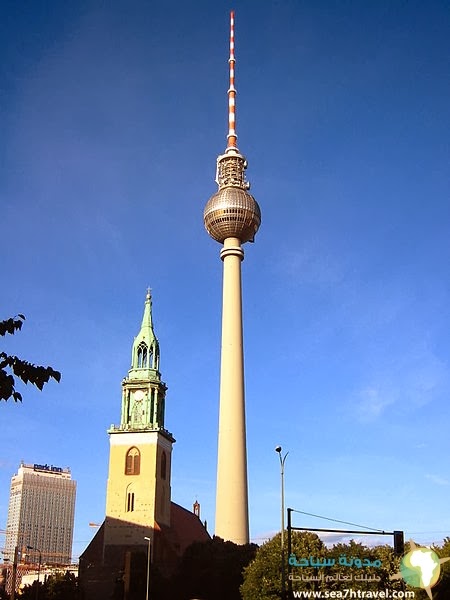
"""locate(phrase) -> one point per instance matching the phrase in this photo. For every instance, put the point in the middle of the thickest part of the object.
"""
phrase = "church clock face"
(139, 395)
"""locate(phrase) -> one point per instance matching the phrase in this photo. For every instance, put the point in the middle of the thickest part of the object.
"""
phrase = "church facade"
(141, 522)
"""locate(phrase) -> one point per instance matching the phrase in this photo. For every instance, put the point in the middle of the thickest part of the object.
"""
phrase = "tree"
(62, 586)
(29, 592)
(441, 591)
(389, 565)
(262, 578)
(11, 366)
(211, 570)
(59, 586)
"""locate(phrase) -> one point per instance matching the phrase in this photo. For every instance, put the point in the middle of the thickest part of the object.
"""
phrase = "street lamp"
(39, 569)
(278, 449)
(149, 552)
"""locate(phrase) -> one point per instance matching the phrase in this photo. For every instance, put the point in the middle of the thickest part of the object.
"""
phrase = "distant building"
(140, 516)
(41, 514)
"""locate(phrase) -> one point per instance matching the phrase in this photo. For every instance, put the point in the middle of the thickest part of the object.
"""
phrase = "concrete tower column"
(232, 217)
(232, 494)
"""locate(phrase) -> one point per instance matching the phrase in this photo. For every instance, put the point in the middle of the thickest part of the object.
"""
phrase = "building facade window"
(142, 356)
(133, 462)
(130, 501)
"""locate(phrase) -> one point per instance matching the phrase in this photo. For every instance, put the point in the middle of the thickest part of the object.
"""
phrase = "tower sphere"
(232, 212)
(232, 217)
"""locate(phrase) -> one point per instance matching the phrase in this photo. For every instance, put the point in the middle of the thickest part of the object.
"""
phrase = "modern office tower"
(41, 514)
(232, 217)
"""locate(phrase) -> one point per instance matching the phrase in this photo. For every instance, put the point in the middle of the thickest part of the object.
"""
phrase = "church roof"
(185, 529)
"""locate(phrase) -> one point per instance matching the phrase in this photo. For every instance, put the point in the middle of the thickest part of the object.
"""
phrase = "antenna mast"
(232, 136)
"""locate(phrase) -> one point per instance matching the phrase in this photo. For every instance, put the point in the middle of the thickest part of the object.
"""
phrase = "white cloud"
(437, 479)
(408, 381)
(371, 404)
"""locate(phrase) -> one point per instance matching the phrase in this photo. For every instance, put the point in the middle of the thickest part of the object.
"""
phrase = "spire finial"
(147, 318)
(232, 135)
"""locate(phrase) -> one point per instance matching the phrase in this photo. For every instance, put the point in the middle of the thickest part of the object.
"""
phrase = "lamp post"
(149, 552)
(39, 569)
(278, 449)
(14, 573)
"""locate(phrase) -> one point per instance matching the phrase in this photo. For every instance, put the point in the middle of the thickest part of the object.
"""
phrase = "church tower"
(138, 496)
(142, 526)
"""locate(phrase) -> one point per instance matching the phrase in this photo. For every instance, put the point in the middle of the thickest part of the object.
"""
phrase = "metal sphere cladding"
(232, 212)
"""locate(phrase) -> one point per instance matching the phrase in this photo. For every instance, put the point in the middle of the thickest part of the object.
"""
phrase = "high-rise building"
(232, 217)
(41, 513)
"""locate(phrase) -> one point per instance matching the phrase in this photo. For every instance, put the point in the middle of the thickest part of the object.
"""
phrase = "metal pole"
(14, 573)
(278, 449)
(289, 529)
(148, 565)
(39, 575)
(39, 569)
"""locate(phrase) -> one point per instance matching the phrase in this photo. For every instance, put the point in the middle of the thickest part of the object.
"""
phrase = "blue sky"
(112, 117)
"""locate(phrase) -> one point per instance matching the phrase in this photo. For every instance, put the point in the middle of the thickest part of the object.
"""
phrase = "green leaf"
(22, 369)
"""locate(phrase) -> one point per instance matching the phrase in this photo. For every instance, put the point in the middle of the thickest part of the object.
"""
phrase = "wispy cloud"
(408, 381)
(371, 403)
(437, 479)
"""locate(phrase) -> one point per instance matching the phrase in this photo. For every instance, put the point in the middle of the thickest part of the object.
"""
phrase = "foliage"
(60, 586)
(263, 576)
(441, 591)
(211, 570)
(21, 369)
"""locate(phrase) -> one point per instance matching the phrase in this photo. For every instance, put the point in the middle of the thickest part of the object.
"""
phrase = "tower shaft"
(232, 494)
(232, 217)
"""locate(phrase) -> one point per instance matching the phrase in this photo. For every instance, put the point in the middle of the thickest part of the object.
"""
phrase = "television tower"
(232, 217)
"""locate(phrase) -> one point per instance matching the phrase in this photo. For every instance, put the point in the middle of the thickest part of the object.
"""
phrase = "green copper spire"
(145, 353)
(143, 392)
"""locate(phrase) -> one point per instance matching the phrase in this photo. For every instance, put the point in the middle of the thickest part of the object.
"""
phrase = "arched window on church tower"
(142, 356)
(133, 462)
(130, 502)
(129, 498)
(163, 465)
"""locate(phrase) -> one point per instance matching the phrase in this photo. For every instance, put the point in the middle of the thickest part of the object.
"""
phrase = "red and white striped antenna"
(232, 135)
